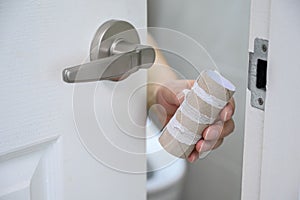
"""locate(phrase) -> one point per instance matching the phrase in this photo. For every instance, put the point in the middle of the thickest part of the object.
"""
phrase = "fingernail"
(193, 158)
(204, 147)
(212, 134)
(180, 95)
(227, 115)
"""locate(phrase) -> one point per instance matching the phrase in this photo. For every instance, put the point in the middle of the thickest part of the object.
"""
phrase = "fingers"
(218, 130)
(187, 85)
(168, 94)
(203, 146)
(169, 97)
(228, 111)
(213, 137)
(207, 145)
(190, 83)
(193, 156)
(168, 100)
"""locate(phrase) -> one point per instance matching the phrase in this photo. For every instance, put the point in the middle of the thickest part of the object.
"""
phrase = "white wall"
(222, 27)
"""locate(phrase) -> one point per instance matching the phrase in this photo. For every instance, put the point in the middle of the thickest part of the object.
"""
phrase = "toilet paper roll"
(200, 108)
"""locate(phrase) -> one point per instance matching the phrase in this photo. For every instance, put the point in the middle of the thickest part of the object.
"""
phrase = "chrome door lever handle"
(115, 68)
(115, 53)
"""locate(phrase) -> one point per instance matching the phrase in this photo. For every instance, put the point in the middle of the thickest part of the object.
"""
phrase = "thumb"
(181, 95)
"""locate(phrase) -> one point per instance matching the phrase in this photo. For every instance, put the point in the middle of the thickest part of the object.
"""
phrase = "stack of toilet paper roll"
(200, 108)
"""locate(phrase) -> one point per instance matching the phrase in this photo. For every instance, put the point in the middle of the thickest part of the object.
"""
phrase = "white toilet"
(166, 173)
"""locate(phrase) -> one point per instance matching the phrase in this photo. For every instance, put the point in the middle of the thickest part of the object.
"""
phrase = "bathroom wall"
(222, 27)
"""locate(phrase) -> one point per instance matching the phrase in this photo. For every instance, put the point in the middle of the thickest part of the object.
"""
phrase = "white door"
(60, 140)
(271, 168)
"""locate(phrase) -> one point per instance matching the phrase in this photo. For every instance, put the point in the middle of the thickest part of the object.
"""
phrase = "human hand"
(169, 96)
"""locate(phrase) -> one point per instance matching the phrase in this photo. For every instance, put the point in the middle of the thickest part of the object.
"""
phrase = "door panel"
(25, 172)
(39, 131)
(271, 154)
(281, 154)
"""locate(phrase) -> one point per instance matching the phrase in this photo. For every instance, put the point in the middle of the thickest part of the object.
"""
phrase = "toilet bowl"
(166, 173)
(167, 183)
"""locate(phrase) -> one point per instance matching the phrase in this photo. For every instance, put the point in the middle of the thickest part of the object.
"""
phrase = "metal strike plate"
(257, 74)
(115, 53)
